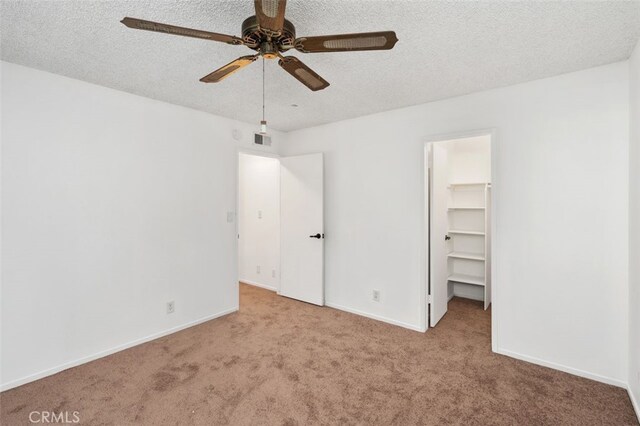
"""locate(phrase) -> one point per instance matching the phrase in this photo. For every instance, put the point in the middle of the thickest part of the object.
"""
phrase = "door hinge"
(429, 299)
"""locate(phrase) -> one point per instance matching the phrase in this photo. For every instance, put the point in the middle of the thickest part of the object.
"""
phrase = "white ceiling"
(445, 49)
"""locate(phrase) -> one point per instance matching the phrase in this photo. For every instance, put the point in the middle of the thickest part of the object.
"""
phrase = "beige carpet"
(284, 362)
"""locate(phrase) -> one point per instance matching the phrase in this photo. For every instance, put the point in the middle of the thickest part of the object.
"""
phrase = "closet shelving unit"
(469, 247)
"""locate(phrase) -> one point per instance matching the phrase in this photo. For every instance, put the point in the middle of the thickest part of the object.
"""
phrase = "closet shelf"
(460, 231)
(454, 185)
(466, 279)
(464, 255)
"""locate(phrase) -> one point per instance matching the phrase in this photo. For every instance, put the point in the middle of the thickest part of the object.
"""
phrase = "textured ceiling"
(445, 49)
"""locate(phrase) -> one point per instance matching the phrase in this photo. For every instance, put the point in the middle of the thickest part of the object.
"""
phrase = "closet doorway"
(458, 209)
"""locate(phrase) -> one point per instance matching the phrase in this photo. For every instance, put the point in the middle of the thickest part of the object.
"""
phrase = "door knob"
(318, 236)
(447, 238)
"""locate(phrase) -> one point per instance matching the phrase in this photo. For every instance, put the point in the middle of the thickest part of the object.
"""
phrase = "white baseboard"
(101, 354)
(256, 284)
(634, 402)
(375, 317)
(561, 367)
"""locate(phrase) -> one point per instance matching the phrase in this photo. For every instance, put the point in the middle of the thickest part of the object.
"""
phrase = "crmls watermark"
(68, 417)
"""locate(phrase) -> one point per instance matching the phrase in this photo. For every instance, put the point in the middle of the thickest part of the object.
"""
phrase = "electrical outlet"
(375, 295)
(259, 214)
(171, 307)
(258, 269)
(273, 273)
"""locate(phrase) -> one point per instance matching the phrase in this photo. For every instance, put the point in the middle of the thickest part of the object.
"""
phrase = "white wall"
(561, 188)
(113, 205)
(634, 229)
(259, 221)
(470, 160)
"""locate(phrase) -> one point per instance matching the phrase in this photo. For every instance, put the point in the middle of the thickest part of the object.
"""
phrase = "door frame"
(256, 153)
(495, 279)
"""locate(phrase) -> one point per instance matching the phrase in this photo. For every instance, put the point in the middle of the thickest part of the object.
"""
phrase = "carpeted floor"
(283, 362)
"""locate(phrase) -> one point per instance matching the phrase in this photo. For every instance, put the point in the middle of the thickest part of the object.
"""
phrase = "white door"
(438, 246)
(487, 246)
(301, 228)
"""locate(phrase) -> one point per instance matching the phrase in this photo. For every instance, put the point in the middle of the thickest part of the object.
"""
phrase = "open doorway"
(280, 224)
(259, 221)
(459, 225)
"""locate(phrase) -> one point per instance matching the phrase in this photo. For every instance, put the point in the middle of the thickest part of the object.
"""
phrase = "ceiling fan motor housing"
(268, 45)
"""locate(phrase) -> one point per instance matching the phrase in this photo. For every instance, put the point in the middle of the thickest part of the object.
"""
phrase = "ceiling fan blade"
(381, 40)
(225, 71)
(270, 15)
(303, 73)
(140, 24)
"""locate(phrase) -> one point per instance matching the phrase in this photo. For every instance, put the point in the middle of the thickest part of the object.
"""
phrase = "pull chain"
(263, 123)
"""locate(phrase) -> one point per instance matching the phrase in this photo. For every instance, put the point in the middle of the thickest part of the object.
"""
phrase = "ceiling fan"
(270, 34)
